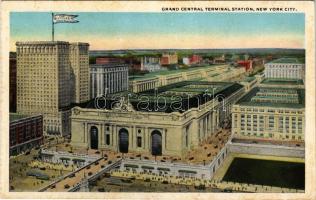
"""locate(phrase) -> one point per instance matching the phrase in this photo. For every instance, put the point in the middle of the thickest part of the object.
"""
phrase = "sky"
(114, 30)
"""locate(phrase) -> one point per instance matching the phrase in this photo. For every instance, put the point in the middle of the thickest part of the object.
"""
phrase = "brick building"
(169, 59)
(12, 86)
(109, 60)
(247, 64)
(26, 132)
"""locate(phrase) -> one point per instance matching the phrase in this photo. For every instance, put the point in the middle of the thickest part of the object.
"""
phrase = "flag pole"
(53, 27)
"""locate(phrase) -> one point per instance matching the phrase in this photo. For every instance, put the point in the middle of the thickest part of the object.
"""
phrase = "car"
(72, 175)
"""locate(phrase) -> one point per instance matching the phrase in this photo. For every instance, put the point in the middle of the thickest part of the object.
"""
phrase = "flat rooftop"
(287, 60)
(15, 116)
(177, 97)
(282, 81)
(249, 78)
(274, 97)
(168, 72)
(108, 65)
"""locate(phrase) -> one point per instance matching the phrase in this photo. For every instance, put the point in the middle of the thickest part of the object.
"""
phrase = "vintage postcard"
(158, 99)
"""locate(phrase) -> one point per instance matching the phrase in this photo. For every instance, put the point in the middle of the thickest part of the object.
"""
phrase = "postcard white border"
(155, 6)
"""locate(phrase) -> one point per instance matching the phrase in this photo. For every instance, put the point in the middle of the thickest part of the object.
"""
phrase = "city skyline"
(111, 31)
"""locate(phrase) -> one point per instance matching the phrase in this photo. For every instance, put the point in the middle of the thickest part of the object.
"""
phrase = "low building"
(195, 59)
(171, 120)
(169, 59)
(290, 68)
(220, 59)
(133, 63)
(192, 60)
(166, 77)
(270, 113)
(108, 79)
(245, 63)
(26, 132)
(108, 60)
(186, 61)
(150, 64)
(282, 82)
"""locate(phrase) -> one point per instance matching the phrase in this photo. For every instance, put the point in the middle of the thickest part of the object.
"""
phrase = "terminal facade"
(156, 132)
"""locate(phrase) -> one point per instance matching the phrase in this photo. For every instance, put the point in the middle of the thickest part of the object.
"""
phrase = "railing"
(85, 182)
(67, 175)
(63, 153)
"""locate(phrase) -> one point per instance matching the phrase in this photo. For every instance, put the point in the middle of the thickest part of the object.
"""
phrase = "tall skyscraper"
(79, 61)
(49, 77)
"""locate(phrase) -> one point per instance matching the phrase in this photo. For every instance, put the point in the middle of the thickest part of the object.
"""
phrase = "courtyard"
(267, 172)
(273, 171)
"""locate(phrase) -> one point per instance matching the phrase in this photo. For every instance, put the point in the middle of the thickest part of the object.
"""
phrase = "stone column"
(145, 137)
(251, 120)
(117, 82)
(92, 86)
(101, 84)
(86, 132)
(88, 136)
(163, 142)
(296, 125)
(101, 135)
(130, 138)
(214, 121)
(210, 123)
(111, 82)
(116, 137)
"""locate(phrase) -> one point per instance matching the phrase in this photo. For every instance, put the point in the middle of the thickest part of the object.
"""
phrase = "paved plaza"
(21, 165)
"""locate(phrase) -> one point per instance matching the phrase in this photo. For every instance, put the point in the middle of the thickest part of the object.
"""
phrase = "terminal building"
(271, 112)
(289, 68)
(207, 73)
(170, 120)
